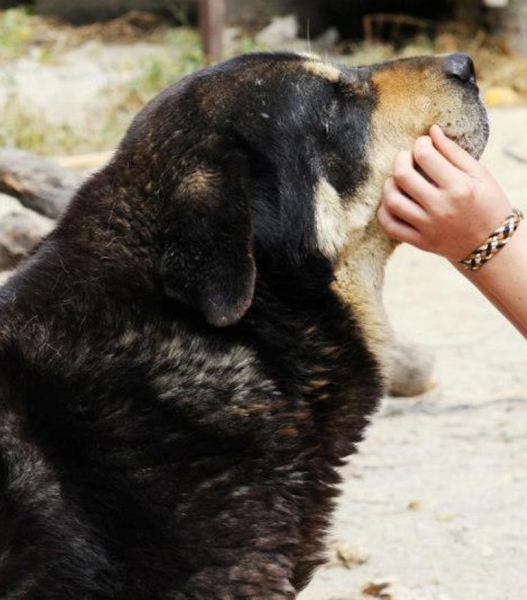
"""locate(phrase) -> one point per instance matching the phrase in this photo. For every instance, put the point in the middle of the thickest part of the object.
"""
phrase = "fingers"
(411, 182)
(452, 152)
(438, 168)
(397, 229)
(400, 205)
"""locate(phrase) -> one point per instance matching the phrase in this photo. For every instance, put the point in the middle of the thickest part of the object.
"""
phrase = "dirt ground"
(436, 501)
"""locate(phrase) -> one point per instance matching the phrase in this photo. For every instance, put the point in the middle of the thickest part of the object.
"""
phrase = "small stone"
(350, 557)
(4, 276)
(279, 32)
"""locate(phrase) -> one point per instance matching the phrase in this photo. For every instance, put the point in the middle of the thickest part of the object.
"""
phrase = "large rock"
(20, 231)
(409, 368)
(39, 183)
(4, 276)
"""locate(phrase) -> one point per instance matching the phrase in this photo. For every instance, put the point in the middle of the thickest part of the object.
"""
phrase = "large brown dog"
(188, 358)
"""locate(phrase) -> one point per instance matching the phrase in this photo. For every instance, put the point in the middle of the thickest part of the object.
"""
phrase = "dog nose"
(460, 66)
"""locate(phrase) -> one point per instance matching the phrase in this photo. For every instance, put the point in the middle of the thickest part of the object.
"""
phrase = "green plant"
(15, 32)
(180, 11)
(23, 129)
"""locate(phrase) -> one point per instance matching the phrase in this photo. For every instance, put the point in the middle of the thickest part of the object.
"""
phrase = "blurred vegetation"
(27, 129)
(15, 33)
(22, 128)
(176, 52)
(155, 73)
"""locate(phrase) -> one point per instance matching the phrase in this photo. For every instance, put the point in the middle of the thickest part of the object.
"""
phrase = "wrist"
(516, 246)
(495, 243)
(504, 280)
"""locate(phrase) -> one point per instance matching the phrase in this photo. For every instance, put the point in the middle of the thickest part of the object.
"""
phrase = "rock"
(4, 276)
(39, 183)
(281, 31)
(350, 557)
(8, 204)
(326, 41)
(409, 369)
(20, 231)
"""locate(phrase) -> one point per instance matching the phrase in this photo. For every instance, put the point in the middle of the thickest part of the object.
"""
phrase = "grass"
(182, 56)
(15, 33)
(20, 128)
(27, 129)
(176, 52)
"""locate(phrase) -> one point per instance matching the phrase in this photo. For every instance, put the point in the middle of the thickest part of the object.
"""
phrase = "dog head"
(282, 156)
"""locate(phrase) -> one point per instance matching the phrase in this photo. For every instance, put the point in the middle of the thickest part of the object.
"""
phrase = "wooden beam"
(212, 24)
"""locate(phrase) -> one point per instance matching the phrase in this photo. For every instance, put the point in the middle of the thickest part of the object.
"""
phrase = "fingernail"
(437, 129)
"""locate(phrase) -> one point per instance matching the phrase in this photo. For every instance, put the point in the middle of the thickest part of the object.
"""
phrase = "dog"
(189, 357)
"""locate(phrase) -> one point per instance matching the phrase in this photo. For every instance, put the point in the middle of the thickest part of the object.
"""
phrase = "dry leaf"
(379, 589)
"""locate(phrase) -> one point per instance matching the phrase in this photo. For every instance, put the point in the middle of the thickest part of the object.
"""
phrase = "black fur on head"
(236, 152)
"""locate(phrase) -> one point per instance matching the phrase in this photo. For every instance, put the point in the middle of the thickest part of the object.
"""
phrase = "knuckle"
(392, 200)
(445, 213)
(400, 173)
(462, 191)
(384, 219)
(422, 149)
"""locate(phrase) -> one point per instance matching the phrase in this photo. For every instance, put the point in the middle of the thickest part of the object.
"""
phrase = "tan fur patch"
(309, 55)
(403, 111)
(323, 70)
(359, 280)
(337, 222)
(360, 268)
(199, 182)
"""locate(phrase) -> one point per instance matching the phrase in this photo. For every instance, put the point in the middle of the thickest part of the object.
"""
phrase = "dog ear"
(208, 261)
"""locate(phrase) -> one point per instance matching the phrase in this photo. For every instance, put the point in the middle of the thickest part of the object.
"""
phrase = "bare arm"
(503, 280)
(442, 200)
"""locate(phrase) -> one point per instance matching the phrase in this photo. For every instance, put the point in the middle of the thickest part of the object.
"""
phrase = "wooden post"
(212, 23)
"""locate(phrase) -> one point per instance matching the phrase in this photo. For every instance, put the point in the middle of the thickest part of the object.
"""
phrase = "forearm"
(503, 280)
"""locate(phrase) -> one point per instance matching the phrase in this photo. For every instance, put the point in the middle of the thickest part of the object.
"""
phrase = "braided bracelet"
(494, 243)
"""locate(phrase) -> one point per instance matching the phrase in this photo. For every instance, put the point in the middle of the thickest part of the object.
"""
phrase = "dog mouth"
(473, 143)
(472, 132)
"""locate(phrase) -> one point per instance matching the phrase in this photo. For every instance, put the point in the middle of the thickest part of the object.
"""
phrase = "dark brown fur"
(180, 377)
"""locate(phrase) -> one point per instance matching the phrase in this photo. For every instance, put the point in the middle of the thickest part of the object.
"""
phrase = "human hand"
(440, 199)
